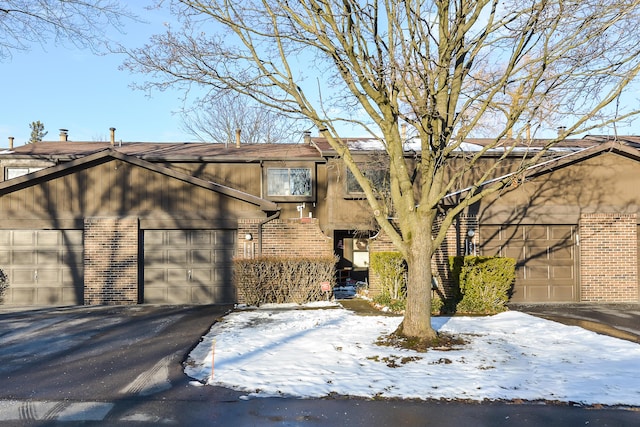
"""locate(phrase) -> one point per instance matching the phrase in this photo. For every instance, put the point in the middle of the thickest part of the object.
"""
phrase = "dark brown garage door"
(188, 266)
(546, 259)
(44, 267)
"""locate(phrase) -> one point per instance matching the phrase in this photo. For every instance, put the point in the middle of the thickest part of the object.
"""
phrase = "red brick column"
(111, 261)
(608, 257)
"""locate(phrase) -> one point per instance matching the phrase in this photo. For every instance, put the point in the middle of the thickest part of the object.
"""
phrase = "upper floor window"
(289, 182)
(379, 177)
(14, 172)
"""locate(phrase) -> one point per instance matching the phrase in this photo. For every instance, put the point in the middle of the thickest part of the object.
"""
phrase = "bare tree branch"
(79, 22)
(445, 68)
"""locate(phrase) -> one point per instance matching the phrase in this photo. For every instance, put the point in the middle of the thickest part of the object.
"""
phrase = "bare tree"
(216, 118)
(80, 22)
(443, 67)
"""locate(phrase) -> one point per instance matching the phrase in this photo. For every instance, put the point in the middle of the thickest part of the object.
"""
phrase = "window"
(378, 176)
(286, 182)
(14, 172)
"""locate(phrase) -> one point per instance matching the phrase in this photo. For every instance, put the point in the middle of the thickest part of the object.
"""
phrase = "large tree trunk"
(417, 318)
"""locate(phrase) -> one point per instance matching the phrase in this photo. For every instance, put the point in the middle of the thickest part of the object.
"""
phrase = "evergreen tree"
(37, 132)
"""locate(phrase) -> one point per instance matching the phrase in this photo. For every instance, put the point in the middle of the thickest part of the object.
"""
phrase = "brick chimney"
(238, 131)
(64, 134)
(113, 135)
(307, 137)
(10, 143)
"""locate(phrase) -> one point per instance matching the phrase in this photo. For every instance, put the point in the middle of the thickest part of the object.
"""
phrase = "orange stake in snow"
(213, 356)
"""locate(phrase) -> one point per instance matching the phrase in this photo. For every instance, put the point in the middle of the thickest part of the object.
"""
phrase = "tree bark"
(417, 319)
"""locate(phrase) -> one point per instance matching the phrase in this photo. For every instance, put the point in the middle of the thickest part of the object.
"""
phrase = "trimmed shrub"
(391, 268)
(4, 285)
(484, 283)
(278, 280)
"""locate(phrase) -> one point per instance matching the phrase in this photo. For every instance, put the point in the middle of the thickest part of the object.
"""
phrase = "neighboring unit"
(127, 223)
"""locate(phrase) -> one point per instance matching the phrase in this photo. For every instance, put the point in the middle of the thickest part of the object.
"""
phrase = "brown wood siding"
(243, 177)
(118, 187)
(605, 183)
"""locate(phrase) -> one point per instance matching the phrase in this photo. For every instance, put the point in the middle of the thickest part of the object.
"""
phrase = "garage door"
(44, 267)
(188, 266)
(546, 259)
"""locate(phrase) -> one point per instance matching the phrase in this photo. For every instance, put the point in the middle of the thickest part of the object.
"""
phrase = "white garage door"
(188, 266)
(44, 267)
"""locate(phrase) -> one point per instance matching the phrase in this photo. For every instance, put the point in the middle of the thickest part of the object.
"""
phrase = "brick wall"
(110, 261)
(456, 242)
(290, 237)
(608, 257)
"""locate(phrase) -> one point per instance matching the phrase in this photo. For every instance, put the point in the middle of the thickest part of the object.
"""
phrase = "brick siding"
(608, 257)
(111, 261)
(290, 237)
(456, 243)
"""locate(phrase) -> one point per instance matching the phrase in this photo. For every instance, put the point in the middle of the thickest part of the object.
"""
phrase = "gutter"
(261, 224)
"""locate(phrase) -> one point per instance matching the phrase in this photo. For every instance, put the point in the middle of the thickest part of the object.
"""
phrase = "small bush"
(394, 305)
(436, 304)
(280, 280)
(484, 283)
(4, 285)
(390, 268)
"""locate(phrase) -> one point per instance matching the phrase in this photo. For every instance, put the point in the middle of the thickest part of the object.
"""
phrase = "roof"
(471, 144)
(317, 150)
(185, 151)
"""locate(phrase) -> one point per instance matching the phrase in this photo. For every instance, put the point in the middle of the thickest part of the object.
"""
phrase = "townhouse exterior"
(129, 223)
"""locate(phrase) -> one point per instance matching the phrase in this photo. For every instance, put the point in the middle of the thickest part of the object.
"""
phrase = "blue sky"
(65, 87)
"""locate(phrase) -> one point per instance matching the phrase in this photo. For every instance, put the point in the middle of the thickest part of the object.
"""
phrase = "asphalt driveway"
(123, 366)
(617, 320)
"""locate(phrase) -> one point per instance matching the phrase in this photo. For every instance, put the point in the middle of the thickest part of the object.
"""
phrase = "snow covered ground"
(285, 351)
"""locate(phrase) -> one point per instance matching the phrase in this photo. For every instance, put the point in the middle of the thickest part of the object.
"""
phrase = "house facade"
(128, 223)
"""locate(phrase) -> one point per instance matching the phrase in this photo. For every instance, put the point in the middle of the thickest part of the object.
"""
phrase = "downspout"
(260, 224)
